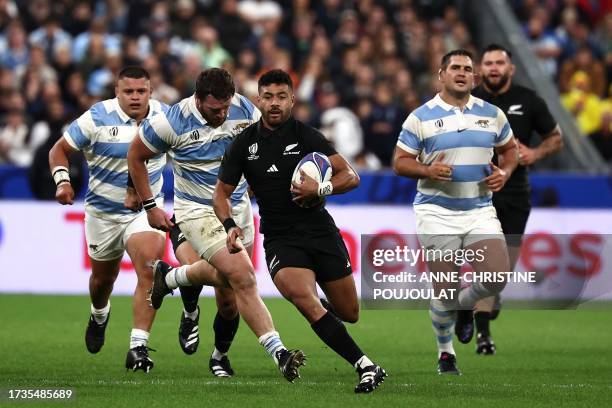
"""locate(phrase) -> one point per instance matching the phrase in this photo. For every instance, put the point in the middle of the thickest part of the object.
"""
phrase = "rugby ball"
(317, 166)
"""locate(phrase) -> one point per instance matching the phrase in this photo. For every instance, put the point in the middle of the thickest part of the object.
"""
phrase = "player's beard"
(495, 87)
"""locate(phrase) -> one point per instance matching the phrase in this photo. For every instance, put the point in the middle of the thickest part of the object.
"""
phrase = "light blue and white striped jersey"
(196, 149)
(467, 140)
(104, 134)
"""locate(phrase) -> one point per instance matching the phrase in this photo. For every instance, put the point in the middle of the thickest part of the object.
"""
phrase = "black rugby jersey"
(527, 113)
(267, 159)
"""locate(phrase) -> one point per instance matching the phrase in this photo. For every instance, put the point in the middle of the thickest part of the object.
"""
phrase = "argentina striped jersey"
(104, 134)
(467, 139)
(196, 149)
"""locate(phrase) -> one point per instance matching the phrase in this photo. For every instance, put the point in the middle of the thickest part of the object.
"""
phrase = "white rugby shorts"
(106, 239)
(441, 228)
(205, 232)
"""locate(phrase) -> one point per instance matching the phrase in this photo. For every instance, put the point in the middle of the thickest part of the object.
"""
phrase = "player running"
(448, 144)
(195, 133)
(527, 113)
(104, 134)
(303, 245)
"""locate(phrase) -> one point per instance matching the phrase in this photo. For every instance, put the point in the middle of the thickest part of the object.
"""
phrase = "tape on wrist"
(60, 175)
(325, 188)
(149, 204)
(228, 224)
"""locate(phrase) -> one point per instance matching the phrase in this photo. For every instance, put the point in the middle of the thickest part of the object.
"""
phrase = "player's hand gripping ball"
(317, 166)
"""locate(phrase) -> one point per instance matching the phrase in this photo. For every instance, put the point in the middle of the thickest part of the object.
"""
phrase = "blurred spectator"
(233, 30)
(79, 18)
(14, 141)
(97, 32)
(183, 17)
(15, 54)
(384, 124)
(50, 130)
(602, 139)
(545, 45)
(259, 12)
(50, 37)
(585, 62)
(161, 90)
(8, 13)
(583, 104)
(211, 52)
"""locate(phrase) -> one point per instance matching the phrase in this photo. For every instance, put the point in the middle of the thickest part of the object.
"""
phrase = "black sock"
(334, 334)
(225, 330)
(190, 296)
(482, 322)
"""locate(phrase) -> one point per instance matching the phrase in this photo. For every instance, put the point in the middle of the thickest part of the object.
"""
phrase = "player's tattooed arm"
(507, 155)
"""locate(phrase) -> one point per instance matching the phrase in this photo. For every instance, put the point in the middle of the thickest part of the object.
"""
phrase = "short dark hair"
(275, 76)
(133, 71)
(216, 82)
(497, 47)
(446, 58)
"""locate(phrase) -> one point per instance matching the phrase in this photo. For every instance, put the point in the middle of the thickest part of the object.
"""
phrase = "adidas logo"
(272, 169)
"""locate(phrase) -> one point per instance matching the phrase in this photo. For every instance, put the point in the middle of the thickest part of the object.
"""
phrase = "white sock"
(192, 315)
(443, 322)
(472, 294)
(100, 315)
(363, 362)
(272, 343)
(217, 355)
(138, 338)
(177, 277)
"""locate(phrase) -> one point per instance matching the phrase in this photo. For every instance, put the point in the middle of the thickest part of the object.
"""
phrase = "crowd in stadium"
(359, 66)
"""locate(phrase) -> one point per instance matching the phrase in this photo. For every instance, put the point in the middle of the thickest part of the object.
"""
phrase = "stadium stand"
(359, 65)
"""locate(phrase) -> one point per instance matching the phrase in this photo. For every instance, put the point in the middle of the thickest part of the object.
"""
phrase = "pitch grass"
(546, 358)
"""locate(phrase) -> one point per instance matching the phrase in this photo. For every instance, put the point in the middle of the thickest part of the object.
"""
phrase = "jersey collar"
(124, 116)
(447, 107)
(194, 110)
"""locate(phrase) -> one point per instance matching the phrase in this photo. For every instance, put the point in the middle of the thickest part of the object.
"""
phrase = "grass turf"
(546, 358)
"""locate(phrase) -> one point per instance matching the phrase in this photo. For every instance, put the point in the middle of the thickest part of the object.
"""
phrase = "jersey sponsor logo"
(272, 169)
(195, 135)
(253, 150)
(289, 149)
(515, 110)
(439, 123)
(483, 123)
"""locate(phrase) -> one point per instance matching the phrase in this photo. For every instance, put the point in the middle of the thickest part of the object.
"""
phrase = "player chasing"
(527, 113)
(226, 320)
(103, 134)
(195, 133)
(303, 245)
(447, 144)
